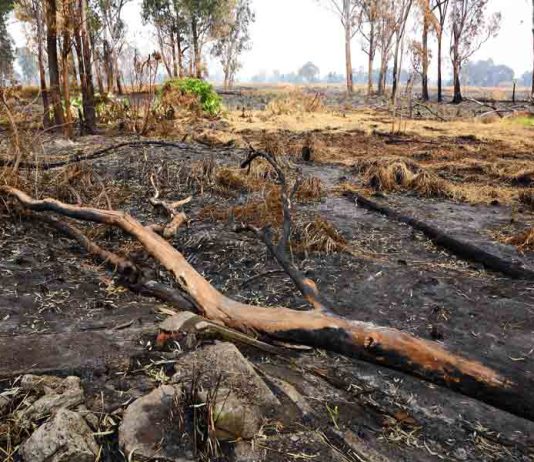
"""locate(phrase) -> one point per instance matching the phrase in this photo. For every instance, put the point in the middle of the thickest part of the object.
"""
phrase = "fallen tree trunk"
(461, 248)
(385, 346)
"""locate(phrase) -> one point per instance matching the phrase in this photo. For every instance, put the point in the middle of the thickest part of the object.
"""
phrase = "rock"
(58, 394)
(151, 427)
(234, 418)
(460, 454)
(64, 438)
(223, 364)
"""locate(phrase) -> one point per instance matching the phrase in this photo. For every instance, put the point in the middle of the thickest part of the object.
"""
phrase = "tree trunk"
(382, 75)
(65, 64)
(42, 73)
(371, 60)
(348, 53)
(88, 91)
(456, 65)
(180, 55)
(108, 67)
(53, 64)
(426, 26)
(174, 58)
(385, 346)
(118, 80)
(395, 74)
(440, 79)
(533, 49)
(196, 50)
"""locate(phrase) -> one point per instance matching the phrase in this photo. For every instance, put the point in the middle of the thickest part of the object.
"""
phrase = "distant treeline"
(482, 73)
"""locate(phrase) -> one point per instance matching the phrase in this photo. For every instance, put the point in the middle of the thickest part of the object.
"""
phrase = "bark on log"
(385, 346)
(458, 247)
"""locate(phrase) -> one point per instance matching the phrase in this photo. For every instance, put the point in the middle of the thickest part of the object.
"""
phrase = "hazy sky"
(288, 33)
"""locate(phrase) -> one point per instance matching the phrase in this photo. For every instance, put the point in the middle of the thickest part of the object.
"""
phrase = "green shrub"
(210, 101)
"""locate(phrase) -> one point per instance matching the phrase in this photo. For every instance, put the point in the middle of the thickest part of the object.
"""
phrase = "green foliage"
(209, 100)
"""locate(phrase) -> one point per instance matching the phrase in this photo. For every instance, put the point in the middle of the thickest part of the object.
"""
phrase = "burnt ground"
(62, 313)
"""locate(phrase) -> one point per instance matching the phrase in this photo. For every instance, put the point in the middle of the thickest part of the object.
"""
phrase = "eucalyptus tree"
(348, 12)
(471, 27)
(233, 39)
(6, 45)
(172, 32)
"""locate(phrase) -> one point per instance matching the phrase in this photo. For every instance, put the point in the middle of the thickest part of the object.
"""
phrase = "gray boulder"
(64, 438)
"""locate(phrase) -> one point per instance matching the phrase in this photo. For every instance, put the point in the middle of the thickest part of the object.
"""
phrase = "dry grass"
(523, 241)
(319, 235)
(295, 101)
(310, 190)
(527, 198)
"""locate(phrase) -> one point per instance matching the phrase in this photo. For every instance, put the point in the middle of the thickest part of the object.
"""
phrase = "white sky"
(288, 33)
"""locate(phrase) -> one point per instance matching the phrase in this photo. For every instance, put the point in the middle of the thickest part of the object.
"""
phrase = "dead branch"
(434, 113)
(177, 219)
(132, 276)
(305, 285)
(385, 346)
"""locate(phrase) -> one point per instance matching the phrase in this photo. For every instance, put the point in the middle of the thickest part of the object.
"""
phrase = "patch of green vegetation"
(208, 98)
(526, 121)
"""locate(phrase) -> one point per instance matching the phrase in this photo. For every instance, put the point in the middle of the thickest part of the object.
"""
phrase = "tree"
(471, 27)
(370, 14)
(532, 91)
(309, 72)
(168, 18)
(32, 13)
(485, 73)
(233, 40)
(83, 50)
(6, 44)
(204, 17)
(386, 32)
(27, 64)
(440, 7)
(401, 10)
(348, 13)
(113, 33)
(53, 63)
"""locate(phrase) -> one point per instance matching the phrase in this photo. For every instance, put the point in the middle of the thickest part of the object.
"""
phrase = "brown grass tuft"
(295, 102)
(527, 198)
(429, 185)
(387, 174)
(310, 190)
(523, 241)
(320, 235)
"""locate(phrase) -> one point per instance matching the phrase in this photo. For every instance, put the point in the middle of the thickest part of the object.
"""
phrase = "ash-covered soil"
(62, 313)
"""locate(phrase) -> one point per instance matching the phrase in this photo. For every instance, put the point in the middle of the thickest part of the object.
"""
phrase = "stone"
(234, 418)
(58, 394)
(223, 364)
(151, 427)
(64, 438)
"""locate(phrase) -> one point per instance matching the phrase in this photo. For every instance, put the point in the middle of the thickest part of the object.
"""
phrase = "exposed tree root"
(384, 346)
(458, 247)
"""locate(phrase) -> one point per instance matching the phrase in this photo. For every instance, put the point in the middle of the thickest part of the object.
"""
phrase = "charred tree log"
(385, 346)
(458, 247)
